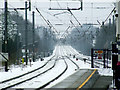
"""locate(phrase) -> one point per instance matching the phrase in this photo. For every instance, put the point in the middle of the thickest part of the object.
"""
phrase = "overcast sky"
(93, 10)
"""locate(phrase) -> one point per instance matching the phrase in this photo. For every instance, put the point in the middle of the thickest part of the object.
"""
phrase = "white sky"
(88, 15)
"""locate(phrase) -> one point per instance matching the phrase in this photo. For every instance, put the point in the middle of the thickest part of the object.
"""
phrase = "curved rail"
(73, 62)
(26, 73)
(97, 63)
(22, 76)
(71, 59)
(41, 87)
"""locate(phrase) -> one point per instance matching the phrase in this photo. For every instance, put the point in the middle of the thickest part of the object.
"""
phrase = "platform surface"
(85, 78)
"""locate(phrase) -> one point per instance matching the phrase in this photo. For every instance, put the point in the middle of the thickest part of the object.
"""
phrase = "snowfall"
(16, 70)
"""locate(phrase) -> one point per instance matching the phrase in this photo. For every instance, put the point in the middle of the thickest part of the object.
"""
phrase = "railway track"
(97, 64)
(55, 78)
(70, 59)
(66, 68)
(47, 82)
(73, 62)
(16, 81)
(49, 66)
(22, 78)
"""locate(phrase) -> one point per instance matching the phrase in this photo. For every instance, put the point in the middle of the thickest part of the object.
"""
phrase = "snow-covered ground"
(60, 52)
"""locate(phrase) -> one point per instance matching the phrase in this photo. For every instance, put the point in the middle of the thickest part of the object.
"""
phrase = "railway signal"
(99, 54)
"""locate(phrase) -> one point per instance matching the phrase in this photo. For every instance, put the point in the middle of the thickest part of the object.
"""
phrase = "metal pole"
(5, 42)
(109, 23)
(33, 28)
(118, 27)
(81, 5)
(17, 42)
(113, 21)
(104, 52)
(117, 75)
(6, 29)
(92, 66)
(107, 57)
(26, 31)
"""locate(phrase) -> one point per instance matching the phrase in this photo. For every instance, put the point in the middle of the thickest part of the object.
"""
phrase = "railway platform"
(85, 79)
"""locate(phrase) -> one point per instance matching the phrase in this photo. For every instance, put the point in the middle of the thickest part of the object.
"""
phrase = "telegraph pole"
(5, 50)
(5, 39)
(26, 34)
(33, 28)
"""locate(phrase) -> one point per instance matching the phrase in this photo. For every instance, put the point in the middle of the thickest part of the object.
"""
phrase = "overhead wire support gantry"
(70, 10)
(80, 8)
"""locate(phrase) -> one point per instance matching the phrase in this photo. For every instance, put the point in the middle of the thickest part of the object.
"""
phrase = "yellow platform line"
(86, 80)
